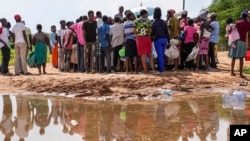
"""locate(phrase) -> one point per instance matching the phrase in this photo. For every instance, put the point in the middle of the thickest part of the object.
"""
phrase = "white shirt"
(99, 21)
(5, 37)
(18, 31)
(117, 33)
(61, 33)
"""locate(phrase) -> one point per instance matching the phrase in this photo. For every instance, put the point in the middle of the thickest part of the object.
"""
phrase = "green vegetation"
(226, 9)
(12, 57)
(246, 70)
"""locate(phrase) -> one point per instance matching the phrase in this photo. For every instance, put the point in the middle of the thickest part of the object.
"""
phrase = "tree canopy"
(226, 9)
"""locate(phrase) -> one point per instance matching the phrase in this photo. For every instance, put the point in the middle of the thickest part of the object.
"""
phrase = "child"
(232, 33)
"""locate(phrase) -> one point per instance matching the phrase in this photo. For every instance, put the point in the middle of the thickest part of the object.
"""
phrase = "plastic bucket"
(247, 57)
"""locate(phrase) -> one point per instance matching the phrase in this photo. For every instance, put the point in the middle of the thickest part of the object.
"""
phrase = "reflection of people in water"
(6, 124)
(106, 116)
(132, 120)
(55, 110)
(42, 117)
(22, 120)
(91, 132)
(118, 124)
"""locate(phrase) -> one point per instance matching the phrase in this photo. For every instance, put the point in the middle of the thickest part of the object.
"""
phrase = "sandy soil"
(127, 86)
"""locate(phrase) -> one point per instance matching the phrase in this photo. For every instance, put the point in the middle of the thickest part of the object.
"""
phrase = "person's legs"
(23, 57)
(5, 59)
(44, 68)
(101, 60)
(39, 69)
(232, 66)
(144, 63)
(127, 62)
(108, 59)
(80, 57)
(17, 59)
(135, 64)
(160, 46)
(189, 48)
(61, 54)
(115, 58)
(241, 67)
(211, 55)
(207, 62)
(93, 57)
(197, 62)
(86, 57)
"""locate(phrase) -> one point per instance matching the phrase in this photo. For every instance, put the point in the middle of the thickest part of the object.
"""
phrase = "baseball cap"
(17, 17)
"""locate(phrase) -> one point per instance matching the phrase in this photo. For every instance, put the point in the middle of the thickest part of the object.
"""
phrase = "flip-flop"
(244, 83)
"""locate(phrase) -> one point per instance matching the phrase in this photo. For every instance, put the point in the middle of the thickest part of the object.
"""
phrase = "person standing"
(5, 47)
(61, 52)
(20, 39)
(99, 18)
(116, 31)
(243, 26)
(214, 39)
(29, 37)
(160, 36)
(173, 26)
(67, 44)
(54, 45)
(105, 48)
(189, 42)
(143, 39)
(78, 28)
(40, 40)
(131, 52)
(120, 13)
(90, 28)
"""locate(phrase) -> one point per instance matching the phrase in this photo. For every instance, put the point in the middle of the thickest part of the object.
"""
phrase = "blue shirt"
(129, 30)
(53, 40)
(214, 37)
(103, 31)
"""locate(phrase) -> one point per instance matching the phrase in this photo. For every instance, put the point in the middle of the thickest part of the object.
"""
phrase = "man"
(28, 36)
(214, 39)
(20, 40)
(117, 33)
(78, 28)
(105, 48)
(120, 13)
(90, 28)
(173, 26)
(5, 47)
(60, 35)
(99, 18)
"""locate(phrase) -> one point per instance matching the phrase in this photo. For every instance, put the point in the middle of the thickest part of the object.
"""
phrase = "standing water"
(64, 119)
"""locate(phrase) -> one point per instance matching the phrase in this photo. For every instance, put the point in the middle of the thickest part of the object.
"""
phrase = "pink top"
(233, 35)
(189, 34)
(77, 27)
(68, 39)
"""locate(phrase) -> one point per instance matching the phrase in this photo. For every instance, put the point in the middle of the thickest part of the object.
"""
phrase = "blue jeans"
(80, 57)
(160, 46)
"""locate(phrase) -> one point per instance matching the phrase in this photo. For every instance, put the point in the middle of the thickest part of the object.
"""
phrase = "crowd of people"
(93, 43)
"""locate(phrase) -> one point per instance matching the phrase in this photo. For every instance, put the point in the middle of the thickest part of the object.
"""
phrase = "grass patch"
(246, 70)
(12, 57)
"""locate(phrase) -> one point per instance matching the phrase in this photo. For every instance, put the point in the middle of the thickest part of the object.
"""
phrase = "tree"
(226, 9)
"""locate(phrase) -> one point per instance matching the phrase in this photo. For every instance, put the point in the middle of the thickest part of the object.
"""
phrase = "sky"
(50, 12)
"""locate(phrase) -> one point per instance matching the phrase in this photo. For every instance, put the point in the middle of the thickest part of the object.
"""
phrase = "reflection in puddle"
(38, 119)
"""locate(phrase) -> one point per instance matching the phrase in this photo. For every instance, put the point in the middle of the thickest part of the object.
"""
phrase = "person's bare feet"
(233, 74)
(242, 76)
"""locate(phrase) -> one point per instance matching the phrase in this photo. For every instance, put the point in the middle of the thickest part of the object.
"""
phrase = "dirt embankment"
(122, 86)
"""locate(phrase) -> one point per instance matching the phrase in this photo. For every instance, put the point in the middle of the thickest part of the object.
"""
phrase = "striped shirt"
(129, 30)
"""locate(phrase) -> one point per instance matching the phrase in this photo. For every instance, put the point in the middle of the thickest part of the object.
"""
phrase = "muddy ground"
(128, 86)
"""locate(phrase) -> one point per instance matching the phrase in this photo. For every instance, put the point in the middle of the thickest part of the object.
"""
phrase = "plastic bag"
(122, 52)
(31, 60)
(193, 54)
(154, 53)
(172, 51)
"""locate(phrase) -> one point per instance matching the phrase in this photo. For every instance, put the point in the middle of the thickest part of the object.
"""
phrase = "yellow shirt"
(174, 30)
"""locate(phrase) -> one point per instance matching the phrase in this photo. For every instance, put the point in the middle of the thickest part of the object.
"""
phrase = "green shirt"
(142, 26)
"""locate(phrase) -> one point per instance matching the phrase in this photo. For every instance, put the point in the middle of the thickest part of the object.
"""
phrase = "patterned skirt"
(239, 51)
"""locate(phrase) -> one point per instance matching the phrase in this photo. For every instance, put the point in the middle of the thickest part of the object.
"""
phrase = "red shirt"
(243, 27)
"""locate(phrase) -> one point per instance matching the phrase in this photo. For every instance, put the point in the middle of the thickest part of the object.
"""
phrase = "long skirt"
(55, 55)
(40, 53)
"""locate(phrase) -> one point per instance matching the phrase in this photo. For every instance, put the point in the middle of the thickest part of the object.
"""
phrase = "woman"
(239, 52)
(40, 40)
(143, 39)
(160, 36)
(203, 40)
